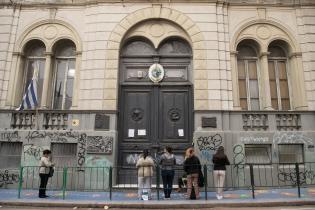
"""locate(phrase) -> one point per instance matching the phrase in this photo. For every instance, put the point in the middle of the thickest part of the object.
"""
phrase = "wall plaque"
(101, 122)
(209, 122)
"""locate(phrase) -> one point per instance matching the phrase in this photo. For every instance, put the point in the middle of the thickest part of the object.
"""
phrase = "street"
(216, 208)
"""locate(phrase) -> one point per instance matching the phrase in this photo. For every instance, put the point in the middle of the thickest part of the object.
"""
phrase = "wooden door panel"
(174, 114)
(137, 115)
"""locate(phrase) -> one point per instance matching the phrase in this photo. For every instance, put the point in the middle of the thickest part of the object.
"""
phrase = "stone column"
(235, 90)
(299, 100)
(46, 100)
(76, 84)
(265, 95)
(16, 81)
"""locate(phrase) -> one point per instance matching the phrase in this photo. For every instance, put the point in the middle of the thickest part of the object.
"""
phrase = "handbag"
(201, 179)
(51, 171)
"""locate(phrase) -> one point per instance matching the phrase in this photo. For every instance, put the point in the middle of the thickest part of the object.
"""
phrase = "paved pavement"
(215, 208)
(272, 197)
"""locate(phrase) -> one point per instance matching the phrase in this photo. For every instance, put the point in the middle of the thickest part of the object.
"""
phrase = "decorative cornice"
(295, 54)
(49, 3)
(235, 53)
(264, 54)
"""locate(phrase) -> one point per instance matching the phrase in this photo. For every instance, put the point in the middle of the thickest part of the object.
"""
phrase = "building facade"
(116, 77)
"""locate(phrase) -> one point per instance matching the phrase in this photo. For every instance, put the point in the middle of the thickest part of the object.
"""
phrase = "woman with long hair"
(145, 172)
(192, 167)
(219, 160)
(168, 162)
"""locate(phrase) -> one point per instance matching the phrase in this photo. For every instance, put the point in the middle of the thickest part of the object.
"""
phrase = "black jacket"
(220, 162)
(192, 165)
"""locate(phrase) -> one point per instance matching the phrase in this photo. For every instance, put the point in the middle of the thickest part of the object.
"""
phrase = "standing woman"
(45, 164)
(219, 160)
(145, 172)
(192, 167)
(168, 162)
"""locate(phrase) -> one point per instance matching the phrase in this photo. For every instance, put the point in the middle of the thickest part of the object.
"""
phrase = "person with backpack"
(192, 167)
(168, 162)
(219, 160)
(45, 171)
(145, 172)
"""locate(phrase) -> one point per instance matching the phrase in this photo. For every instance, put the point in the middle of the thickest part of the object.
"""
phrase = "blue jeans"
(168, 177)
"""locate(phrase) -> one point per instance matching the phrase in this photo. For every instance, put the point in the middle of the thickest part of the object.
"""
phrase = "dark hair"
(220, 152)
(169, 149)
(145, 153)
(46, 152)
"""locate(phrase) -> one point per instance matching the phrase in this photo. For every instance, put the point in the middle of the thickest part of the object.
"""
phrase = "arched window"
(34, 60)
(278, 79)
(247, 75)
(64, 74)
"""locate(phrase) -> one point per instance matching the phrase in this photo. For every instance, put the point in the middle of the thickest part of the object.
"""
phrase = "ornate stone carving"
(157, 30)
(263, 32)
(174, 114)
(136, 114)
(50, 32)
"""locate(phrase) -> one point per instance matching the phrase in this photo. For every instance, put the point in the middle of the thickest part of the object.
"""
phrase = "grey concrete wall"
(80, 177)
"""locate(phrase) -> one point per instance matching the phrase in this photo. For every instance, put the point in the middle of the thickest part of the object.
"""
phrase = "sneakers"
(219, 197)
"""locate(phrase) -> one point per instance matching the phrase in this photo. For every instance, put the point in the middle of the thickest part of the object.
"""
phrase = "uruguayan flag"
(30, 98)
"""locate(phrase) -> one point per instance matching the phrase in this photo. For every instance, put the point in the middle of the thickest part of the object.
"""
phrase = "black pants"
(43, 183)
(168, 177)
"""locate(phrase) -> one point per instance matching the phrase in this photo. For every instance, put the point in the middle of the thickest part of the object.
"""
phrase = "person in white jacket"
(44, 167)
(145, 172)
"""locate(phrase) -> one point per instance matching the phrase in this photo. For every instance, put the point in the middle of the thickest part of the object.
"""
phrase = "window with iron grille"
(291, 153)
(258, 153)
(64, 154)
(10, 154)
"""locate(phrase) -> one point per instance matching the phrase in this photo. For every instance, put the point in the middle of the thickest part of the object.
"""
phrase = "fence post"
(110, 182)
(252, 182)
(158, 182)
(205, 181)
(20, 181)
(298, 182)
(64, 182)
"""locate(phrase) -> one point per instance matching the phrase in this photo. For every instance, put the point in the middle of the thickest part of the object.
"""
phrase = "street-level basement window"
(258, 153)
(290, 153)
(10, 154)
(64, 154)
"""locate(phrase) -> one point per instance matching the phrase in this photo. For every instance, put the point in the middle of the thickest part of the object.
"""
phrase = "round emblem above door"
(156, 73)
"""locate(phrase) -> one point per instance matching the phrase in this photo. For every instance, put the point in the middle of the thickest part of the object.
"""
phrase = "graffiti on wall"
(291, 138)
(100, 144)
(207, 146)
(290, 175)
(10, 136)
(131, 159)
(81, 150)
(209, 142)
(8, 178)
(33, 151)
(61, 137)
(254, 140)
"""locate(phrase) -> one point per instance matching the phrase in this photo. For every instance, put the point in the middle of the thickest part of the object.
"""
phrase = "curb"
(160, 204)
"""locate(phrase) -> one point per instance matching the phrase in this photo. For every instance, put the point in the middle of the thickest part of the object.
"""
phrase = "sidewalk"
(128, 198)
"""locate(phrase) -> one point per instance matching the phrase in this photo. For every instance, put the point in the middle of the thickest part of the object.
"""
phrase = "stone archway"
(156, 12)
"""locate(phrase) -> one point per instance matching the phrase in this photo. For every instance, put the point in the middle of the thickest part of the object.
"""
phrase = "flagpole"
(36, 108)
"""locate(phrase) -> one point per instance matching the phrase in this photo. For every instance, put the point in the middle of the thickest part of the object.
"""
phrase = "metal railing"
(110, 179)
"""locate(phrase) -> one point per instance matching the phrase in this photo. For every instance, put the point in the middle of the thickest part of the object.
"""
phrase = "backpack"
(51, 171)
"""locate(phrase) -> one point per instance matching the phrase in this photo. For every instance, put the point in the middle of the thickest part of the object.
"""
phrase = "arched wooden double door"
(153, 115)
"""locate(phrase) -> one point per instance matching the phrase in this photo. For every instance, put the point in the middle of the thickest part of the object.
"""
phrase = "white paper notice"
(141, 132)
(131, 132)
(180, 132)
